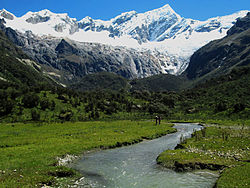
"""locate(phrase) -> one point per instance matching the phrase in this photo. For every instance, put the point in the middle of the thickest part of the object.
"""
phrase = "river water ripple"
(135, 165)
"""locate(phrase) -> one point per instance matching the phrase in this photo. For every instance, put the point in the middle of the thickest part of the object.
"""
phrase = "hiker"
(159, 120)
(156, 120)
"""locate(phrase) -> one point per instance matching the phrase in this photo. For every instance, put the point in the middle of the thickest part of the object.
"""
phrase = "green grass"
(239, 175)
(220, 146)
(29, 152)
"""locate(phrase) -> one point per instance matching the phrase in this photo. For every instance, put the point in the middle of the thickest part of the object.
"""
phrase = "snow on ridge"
(7, 15)
(161, 30)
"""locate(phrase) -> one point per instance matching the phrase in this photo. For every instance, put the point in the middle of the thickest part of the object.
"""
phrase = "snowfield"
(160, 31)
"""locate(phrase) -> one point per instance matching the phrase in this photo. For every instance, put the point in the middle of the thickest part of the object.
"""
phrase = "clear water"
(135, 166)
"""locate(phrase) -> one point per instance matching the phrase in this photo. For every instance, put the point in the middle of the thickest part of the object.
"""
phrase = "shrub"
(239, 107)
(44, 103)
(6, 107)
(221, 106)
(35, 115)
(65, 115)
(30, 100)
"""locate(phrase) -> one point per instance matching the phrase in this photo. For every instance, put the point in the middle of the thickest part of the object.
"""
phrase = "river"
(135, 165)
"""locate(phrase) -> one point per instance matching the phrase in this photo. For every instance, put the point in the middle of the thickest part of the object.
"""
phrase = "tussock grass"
(217, 147)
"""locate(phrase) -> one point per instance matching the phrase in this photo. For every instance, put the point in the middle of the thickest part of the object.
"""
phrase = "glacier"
(159, 31)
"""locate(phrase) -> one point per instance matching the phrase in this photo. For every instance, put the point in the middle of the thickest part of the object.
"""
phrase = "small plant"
(225, 135)
(196, 135)
(242, 130)
(182, 139)
(203, 132)
(35, 115)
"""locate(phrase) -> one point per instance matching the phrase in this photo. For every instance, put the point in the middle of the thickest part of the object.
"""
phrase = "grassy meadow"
(224, 147)
(29, 152)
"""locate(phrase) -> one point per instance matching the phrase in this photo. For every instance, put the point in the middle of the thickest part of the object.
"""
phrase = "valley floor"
(31, 153)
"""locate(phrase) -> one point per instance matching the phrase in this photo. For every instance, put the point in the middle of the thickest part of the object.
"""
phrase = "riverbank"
(220, 147)
(135, 165)
(29, 152)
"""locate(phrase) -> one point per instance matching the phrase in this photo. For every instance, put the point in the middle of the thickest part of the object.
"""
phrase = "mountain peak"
(87, 19)
(166, 8)
(44, 13)
(6, 14)
(165, 11)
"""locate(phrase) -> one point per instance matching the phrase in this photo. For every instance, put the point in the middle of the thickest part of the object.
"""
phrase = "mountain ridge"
(161, 30)
(17, 69)
(220, 56)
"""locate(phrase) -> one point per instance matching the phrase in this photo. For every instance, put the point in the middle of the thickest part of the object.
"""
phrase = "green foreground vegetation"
(48, 126)
(29, 152)
(224, 147)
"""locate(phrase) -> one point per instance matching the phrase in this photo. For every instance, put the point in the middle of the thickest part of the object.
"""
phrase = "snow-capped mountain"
(158, 31)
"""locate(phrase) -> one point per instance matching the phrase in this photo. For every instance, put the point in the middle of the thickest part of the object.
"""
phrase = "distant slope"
(110, 81)
(226, 95)
(100, 81)
(16, 68)
(160, 83)
(220, 56)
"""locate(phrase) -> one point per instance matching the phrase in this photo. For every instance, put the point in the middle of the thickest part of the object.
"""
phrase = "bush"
(157, 108)
(220, 107)
(35, 115)
(30, 100)
(239, 107)
(65, 115)
(6, 107)
(45, 103)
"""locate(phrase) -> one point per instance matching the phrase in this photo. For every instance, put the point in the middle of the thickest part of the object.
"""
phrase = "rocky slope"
(158, 31)
(220, 56)
(66, 60)
(16, 68)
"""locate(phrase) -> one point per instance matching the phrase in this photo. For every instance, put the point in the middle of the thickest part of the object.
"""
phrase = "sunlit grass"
(29, 152)
(220, 146)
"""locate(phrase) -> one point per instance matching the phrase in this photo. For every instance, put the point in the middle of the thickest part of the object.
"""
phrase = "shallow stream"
(135, 166)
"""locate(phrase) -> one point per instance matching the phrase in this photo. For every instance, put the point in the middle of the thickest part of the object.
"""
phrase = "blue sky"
(107, 9)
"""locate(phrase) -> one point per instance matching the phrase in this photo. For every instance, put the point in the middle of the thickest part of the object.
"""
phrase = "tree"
(65, 115)
(53, 105)
(6, 107)
(30, 100)
(221, 106)
(238, 107)
(157, 108)
(45, 103)
(168, 101)
(97, 115)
